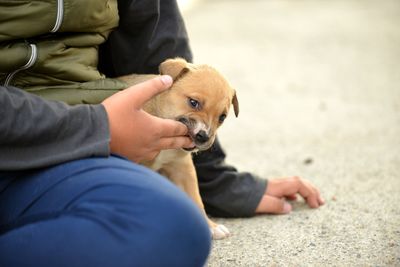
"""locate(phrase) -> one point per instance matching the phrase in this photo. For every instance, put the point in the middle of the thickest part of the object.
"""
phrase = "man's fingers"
(321, 200)
(143, 92)
(309, 193)
(171, 128)
(291, 197)
(270, 204)
(289, 187)
(168, 143)
(175, 142)
(315, 200)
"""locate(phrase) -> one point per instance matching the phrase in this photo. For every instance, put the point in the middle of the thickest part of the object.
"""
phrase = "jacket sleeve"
(225, 191)
(36, 133)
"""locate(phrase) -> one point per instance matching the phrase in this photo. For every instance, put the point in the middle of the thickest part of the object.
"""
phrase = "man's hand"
(278, 190)
(136, 134)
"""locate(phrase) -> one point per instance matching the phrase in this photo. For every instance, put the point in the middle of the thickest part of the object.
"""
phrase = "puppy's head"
(200, 97)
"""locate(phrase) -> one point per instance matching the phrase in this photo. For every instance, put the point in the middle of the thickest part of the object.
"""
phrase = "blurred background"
(319, 90)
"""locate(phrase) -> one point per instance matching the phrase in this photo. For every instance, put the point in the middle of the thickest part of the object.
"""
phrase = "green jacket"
(50, 48)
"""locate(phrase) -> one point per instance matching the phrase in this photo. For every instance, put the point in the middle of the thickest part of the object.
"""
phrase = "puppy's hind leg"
(183, 174)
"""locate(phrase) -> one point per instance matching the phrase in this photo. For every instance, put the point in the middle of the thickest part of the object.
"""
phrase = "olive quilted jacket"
(50, 47)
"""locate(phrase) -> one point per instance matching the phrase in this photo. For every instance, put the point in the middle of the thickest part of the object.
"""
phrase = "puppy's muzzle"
(201, 138)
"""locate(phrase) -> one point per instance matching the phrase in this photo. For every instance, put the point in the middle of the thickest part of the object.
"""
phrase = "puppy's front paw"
(219, 231)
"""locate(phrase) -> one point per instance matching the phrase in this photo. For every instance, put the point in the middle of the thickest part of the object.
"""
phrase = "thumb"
(274, 205)
(143, 92)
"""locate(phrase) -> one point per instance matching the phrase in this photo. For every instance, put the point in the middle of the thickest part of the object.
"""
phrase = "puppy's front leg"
(183, 174)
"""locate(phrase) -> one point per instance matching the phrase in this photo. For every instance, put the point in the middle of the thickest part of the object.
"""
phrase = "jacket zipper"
(33, 57)
(28, 64)
(60, 15)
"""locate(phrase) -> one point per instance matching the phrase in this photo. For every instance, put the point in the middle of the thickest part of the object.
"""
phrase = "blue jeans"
(98, 212)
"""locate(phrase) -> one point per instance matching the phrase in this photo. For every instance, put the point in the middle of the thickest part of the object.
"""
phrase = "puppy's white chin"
(197, 148)
(200, 148)
(191, 150)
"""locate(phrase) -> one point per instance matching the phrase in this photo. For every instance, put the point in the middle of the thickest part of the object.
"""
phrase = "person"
(71, 193)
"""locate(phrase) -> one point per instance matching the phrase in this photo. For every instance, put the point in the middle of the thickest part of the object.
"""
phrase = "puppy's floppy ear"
(235, 103)
(174, 67)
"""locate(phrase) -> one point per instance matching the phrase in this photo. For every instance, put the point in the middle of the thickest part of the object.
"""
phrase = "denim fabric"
(98, 212)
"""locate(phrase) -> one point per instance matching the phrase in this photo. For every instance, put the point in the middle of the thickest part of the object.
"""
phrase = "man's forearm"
(36, 133)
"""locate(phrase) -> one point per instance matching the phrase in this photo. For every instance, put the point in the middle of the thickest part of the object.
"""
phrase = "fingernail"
(287, 208)
(166, 80)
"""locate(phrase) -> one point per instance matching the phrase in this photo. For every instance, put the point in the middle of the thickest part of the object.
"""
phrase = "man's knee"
(178, 231)
(117, 212)
(161, 226)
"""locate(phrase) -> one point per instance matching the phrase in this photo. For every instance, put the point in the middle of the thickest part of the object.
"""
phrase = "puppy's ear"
(174, 67)
(235, 103)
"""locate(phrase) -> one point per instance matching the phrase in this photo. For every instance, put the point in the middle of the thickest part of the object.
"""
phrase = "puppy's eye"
(194, 103)
(222, 118)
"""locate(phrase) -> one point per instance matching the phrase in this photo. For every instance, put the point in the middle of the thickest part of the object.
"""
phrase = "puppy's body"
(200, 98)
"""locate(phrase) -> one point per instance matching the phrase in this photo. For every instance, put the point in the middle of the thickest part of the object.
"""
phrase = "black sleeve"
(149, 32)
(225, 191)
(38, 133)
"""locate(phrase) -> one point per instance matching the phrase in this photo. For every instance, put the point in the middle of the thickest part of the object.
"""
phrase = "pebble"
(308, 161)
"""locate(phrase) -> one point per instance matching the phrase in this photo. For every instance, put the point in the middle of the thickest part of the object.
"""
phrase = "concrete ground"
(319, 91)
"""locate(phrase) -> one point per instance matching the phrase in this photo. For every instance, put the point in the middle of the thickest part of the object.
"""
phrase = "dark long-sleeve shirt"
(36, 133)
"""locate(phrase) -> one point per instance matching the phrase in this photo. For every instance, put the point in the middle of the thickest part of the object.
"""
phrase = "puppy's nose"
(202, 137)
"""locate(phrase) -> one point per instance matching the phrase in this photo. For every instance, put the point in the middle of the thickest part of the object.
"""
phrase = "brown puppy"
(200, 98)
